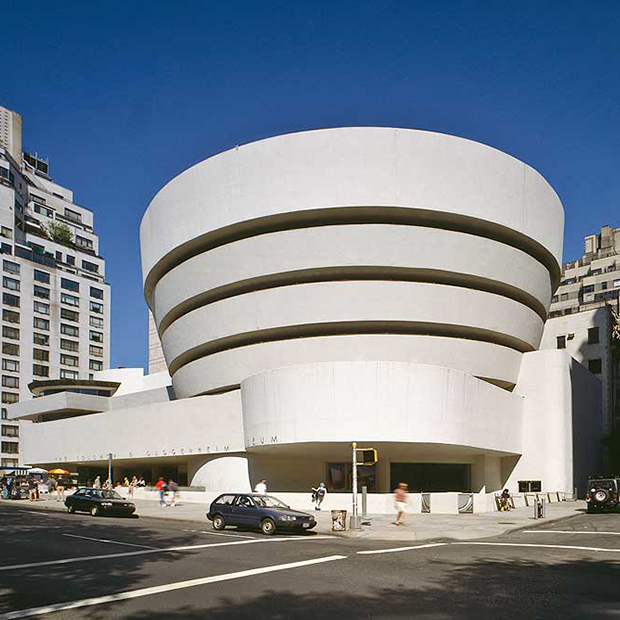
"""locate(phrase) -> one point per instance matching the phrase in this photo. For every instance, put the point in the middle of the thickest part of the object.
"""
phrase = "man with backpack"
(162, 487)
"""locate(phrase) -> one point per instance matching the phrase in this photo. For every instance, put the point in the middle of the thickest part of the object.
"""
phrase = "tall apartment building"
(583, 316)
(55, 300)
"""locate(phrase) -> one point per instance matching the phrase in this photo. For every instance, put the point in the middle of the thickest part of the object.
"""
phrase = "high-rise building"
(55, 300)
(584, 315)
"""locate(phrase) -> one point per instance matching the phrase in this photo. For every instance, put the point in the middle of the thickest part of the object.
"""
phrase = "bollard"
(364, 501)
(540, 509)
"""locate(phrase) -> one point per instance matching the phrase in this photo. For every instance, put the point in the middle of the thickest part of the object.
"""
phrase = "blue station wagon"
(261, 511)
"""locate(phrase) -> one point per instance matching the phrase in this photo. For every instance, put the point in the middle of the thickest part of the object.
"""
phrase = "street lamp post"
(110, 467)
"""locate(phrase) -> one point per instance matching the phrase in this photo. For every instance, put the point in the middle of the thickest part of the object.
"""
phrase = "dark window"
(8, 348)
(70, 300)
(96, 307)
(530, 486)
(10, 447)
(595, 366)
(10, 365)
(96, 292)
(11, 283)
(70, 285)
(10, 300)
(593, 337)
(42, 276)
(588, 289)
(42, 340)
(90, 266)
(10, 382)
(38, 323)
(69, 345)
(40, 371)
(10, 332)
(70, 260)
(10, 315)
(96, 351)
(96, 336)
(6, 248)
(8, 398)
(69, 360)
(561, 342)
(70, 315)
(69, 330)
(11, 267)
(95, 365)
(41, 355)
(42, 292)
(10, 431)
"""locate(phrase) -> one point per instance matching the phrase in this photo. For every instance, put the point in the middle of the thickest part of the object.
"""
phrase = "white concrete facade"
(384, 286)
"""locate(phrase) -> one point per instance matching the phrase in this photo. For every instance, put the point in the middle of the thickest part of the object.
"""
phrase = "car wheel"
(95, 511)
(601, 496)
(218, 522)
(268, 527)
(71, 509)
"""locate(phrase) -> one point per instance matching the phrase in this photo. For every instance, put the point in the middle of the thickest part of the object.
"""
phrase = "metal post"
(355, 520)
(364, 501)
(110, 467)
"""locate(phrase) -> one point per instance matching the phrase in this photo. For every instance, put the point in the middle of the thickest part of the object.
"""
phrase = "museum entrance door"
(432, 477)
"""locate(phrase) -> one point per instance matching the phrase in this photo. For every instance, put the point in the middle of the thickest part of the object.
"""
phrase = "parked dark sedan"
(99, 502)
(253, 510)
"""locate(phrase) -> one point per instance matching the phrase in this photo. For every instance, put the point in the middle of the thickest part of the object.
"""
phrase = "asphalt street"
(65, 567)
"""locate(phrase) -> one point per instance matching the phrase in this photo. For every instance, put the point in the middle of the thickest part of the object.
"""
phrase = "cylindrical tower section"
(353, 244)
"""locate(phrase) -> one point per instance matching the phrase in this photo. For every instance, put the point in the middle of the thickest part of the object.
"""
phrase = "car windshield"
(266, 501)
(106, 494)
(610, 485)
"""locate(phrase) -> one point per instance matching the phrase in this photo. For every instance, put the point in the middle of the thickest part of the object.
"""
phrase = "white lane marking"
(394, 550)
(576, 532)
(107, 556)
(113, 542)
(574, 547)
(38, 512)
(179, 585)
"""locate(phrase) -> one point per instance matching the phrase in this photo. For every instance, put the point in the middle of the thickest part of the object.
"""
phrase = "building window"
(595, 366)
(6, 232)
(68, 374)
(41, 355)
(10, 447)
(563, 296)
(96, 307)
(10, 267)
(8, 463)
(70, 285)
(616, 283)
(90, 266)
(43, 324)
(588, 289)
(561, 342)
(10, 365)
(69, 360)
(604, 286)
(69, 330)
(96, 351)
(5, 414)
(59, 256)
(6, 248)
(69, 345)
(43, 211)
(530, 486)
(96, 292)
(593, 337)
(10, 300)
(70, 315)
(42, 276)
(70, 300)
(71, 260)
(554, 299)
(96, 336)
(95, 321)
(8, 398)
(10, 332)
(10, 382)
(74, 216)
(10, 431)
(10, 316)
(40, 371)
(83, 242)
(8, 348)
(41, 291)
(41, 307)
(42, 340)
(11, 283)
(95, 365)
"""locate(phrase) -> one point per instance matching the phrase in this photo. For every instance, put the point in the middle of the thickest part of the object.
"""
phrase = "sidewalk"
(417, 526)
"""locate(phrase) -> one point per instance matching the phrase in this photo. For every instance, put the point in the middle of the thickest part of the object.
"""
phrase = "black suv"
(603, 493)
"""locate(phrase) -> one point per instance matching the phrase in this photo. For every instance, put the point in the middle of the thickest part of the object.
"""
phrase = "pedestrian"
(400, 502)
(261, 487)
(97, 483)
(504, 500)
(60, 490)
(173, 489)
(161, 487)
(318, 495)
(132, 486)
(52, 486)
(125, 481)
(141, 482)
(32, 489)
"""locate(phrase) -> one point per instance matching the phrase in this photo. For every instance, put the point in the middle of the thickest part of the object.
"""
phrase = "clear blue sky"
(122, 96)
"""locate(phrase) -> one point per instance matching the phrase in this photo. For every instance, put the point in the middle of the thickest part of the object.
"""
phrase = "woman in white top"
(261, 487)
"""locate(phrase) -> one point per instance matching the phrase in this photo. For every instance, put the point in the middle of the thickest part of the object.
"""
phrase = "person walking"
(52, 487)
(32, 489)
(261, 487)
(132, 485)
(318, 495)
(161, 486)
(173, 489)
(400, 501)
(60, 490)
(97, 483)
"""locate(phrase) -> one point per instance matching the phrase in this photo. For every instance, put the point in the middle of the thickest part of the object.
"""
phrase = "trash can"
(339, 520)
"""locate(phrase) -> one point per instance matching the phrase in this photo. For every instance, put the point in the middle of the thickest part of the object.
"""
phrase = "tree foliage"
(60, 233)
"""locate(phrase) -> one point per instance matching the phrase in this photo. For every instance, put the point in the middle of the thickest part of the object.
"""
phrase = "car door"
(245, 511)
(224, 506)
(79, 500)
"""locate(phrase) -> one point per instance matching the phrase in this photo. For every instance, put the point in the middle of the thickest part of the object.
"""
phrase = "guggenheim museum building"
(378, 285)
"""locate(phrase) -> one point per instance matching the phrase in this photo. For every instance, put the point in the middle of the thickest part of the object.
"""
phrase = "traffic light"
(369, 456)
